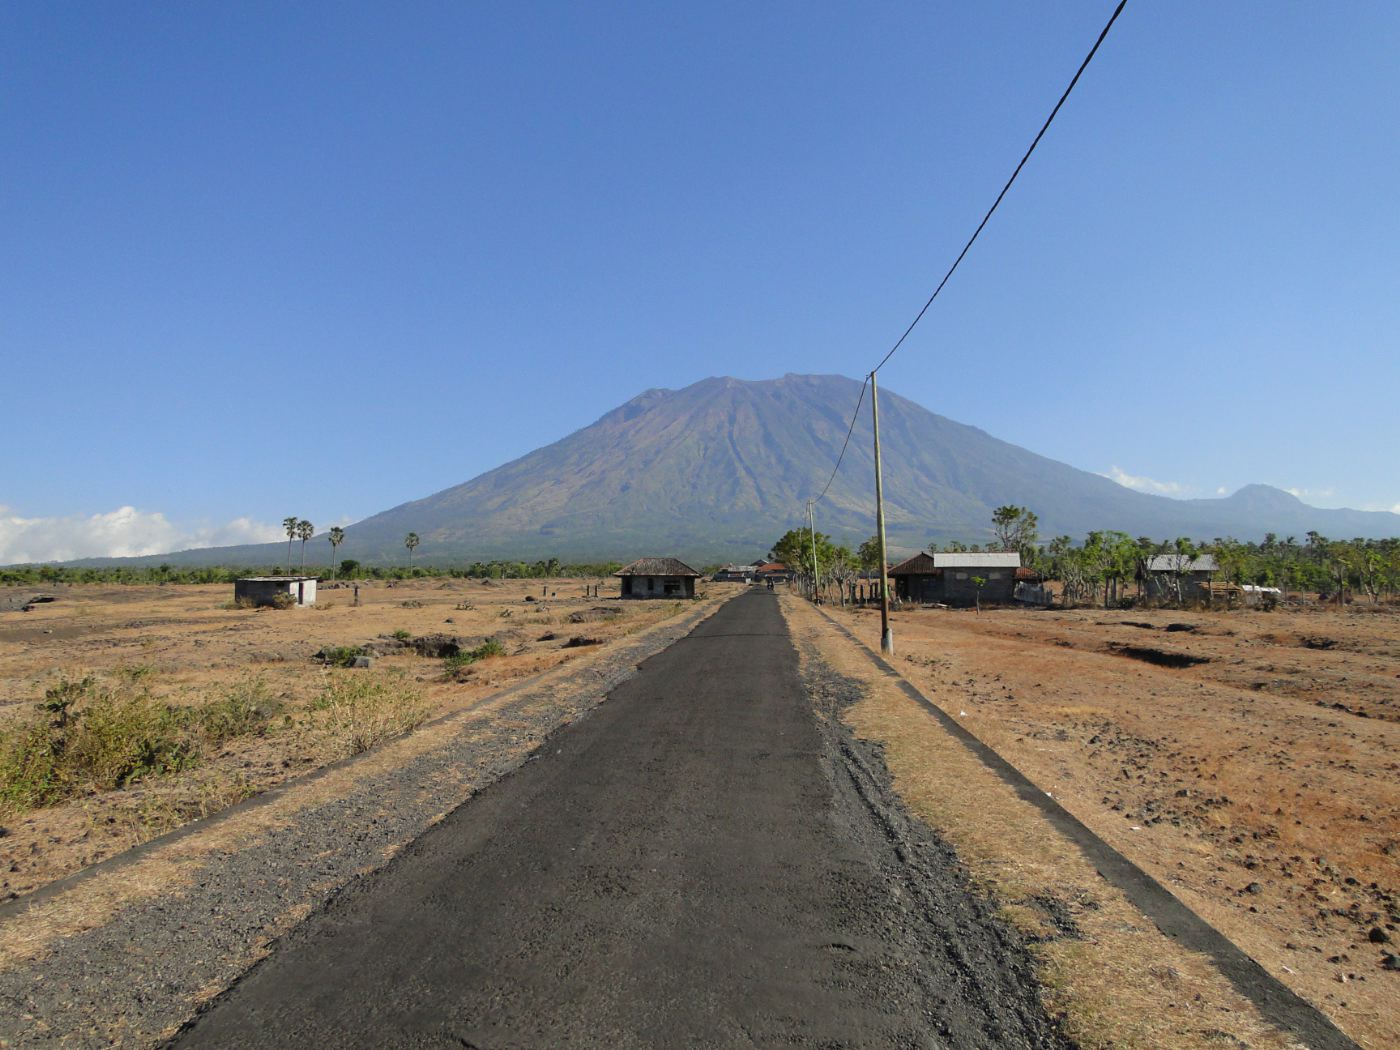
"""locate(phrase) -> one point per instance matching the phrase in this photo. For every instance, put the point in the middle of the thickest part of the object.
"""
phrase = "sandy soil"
(186, 644)
(1259, 782)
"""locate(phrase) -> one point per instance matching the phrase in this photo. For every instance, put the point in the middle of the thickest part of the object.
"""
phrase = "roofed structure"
(658, 578)
(657, 567)
(952, 577)
(1182, 563)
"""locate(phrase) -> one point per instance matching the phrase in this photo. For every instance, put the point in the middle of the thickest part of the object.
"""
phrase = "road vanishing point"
(708, 859)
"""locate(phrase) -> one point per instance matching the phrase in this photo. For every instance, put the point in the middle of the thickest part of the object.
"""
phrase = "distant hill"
(720, 469)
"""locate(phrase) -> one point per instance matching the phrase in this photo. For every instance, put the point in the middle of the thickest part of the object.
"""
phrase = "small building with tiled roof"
(775, 571)
(658, 578)
(951, 578)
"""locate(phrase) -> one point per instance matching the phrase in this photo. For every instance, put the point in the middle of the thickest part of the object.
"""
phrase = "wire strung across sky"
(975, 233)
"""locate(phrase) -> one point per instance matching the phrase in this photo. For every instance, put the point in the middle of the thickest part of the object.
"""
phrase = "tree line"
(1106, 565)
(41, 575)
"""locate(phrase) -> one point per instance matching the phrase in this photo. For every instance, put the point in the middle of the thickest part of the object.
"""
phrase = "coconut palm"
(337, 537)
(410, 541)
(291, 525)
(305, 530)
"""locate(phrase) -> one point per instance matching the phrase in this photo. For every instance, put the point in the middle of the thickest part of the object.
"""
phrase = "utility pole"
(812, 529)
(886, 635)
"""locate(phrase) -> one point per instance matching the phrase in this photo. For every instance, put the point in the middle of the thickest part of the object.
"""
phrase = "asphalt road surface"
(707, 860)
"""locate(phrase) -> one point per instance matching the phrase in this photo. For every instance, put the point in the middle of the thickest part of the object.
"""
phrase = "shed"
(265, 590)
(775, 571)
(658, 578)
(735, 574)
(951, 578)
(1178, 577)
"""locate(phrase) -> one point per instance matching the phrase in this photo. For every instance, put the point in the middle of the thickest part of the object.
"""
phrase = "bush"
(86, 737)
(458, 662)
(340, 655)
(245, 710)
(401, 635)
(360, 712)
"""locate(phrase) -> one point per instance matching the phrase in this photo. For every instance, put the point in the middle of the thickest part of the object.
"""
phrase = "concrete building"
(1177, 577)
(776, 572)
(265, 590)
(658, 578)
(950, 579)
(736, 574)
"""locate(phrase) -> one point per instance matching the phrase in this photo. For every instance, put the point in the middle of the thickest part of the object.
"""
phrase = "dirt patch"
(1240, 771)
(1110, 977)
(189, 647)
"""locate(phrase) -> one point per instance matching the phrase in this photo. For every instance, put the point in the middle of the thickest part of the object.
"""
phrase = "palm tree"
(410, 541)
(291, 525)
(337, 537)
(305, 530)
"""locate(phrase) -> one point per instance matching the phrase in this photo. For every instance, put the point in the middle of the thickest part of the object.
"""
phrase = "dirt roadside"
(1136, 750)
(186, 647)
(126, 952)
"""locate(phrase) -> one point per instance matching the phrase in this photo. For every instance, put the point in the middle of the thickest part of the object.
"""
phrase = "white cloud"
(122, 533)
(1144, 484)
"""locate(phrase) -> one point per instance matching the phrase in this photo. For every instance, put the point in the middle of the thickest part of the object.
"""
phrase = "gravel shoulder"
(711, 859)
(125, 953)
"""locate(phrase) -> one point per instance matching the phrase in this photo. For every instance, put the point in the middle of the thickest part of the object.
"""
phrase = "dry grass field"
(173, 704)
(1249, 760)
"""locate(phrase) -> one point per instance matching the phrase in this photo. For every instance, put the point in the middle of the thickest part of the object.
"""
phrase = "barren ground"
(185, 644)
(1260, 784)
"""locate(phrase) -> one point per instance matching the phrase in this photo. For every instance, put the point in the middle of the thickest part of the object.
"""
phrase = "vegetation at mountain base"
(1100, 568)
(349, 569)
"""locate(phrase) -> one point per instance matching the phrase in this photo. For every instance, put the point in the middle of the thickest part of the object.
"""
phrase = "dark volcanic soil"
(705, 861)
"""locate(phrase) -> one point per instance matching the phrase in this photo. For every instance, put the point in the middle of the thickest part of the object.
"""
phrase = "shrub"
(86, 737)
(458, 662)
(358, 713)
(401, 635)
(245, 710)
(340, 655)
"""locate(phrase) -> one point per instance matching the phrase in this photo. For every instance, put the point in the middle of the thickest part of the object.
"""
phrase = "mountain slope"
(722, 468)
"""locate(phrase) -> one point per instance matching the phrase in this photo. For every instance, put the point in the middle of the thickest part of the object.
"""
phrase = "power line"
(1041, 134)
(849, 431)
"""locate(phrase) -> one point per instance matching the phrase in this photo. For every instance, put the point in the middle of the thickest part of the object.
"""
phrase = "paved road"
(703, 861)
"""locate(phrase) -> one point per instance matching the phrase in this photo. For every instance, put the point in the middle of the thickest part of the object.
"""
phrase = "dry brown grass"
(1236, 783)
(185, 647)
(1108, 973)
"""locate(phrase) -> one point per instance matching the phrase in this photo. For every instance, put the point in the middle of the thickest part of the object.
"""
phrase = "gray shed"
(1161, 575)
(658, 578)
(264, 590)
(950, 578)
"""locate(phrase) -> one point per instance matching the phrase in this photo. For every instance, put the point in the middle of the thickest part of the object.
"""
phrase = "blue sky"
(261, 261)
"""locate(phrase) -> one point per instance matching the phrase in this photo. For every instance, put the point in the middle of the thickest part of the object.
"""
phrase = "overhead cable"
(1041, 134)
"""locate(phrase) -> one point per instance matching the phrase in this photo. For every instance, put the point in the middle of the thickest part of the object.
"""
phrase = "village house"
(736, 574)
(951, 579)
(775, 572)
(275, 590)
(1177, 577)
(658, 578)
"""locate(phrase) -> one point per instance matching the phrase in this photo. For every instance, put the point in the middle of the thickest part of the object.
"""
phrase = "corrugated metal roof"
(1181, 563)
(919, 565)
(657, 567)
(971, 560)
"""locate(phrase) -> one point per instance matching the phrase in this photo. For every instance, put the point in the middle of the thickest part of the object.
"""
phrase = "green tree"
(1016, 529)
(979, 582)
(291, 525)
(411, 541)
(869, 554)
(305, 530)
(337, 537)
